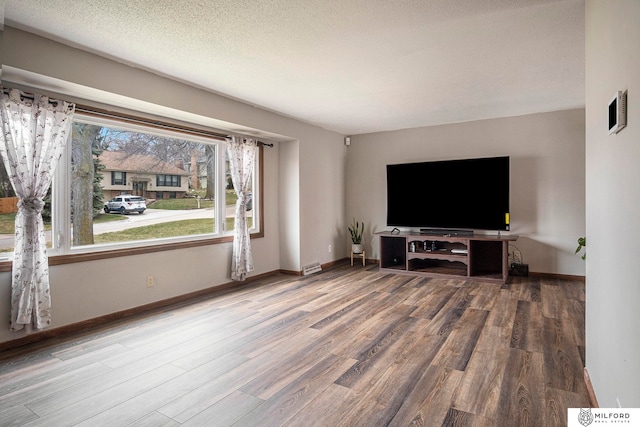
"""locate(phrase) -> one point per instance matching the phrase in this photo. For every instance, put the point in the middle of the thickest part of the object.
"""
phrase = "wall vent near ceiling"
(311, 268)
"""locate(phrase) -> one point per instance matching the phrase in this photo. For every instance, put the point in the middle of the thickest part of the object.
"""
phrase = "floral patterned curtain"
(35, 130)
(241, 153)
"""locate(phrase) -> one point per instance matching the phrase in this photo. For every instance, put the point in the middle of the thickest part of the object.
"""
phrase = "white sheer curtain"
(35, 130)
(241, 153)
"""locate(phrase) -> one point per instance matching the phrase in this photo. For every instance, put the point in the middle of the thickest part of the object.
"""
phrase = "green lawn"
(191, 202)
(102, 218)
(180, 204)
(156, 231)
(8, 221)
(186, 227)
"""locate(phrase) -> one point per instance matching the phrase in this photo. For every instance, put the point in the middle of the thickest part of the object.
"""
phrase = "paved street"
(150, 216)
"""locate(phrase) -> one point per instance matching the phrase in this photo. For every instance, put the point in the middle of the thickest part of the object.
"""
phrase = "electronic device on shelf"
(453, 195)
(459, 251)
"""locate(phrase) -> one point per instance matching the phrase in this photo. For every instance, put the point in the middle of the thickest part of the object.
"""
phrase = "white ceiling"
(352, 66)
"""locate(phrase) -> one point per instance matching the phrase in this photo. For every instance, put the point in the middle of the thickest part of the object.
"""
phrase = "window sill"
(6, 265)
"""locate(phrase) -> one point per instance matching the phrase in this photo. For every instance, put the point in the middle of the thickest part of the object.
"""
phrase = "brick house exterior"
(142, 175)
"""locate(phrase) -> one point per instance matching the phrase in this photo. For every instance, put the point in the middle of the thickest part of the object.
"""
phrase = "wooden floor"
(346, 347)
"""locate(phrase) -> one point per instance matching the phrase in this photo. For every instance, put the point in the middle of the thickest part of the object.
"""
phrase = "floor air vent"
(311, 268)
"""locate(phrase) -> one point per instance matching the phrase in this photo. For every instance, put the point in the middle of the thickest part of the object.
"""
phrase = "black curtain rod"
(98, 112)
(140, 120)
(6, 90)
(264, 144)
(162, 125)
(31, 96)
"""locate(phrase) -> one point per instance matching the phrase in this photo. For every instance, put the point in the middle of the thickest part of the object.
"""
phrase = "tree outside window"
(178, 176)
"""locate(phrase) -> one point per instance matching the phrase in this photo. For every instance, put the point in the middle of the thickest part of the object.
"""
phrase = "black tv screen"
(469, 194)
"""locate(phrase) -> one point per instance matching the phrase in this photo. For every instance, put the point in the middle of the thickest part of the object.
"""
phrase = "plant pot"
(356, 248)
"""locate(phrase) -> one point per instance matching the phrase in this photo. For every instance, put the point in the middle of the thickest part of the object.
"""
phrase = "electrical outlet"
(150, 281)
(330, 248)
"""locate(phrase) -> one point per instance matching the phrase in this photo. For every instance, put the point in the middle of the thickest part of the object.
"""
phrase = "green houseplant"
(582, 243)
(356, 229)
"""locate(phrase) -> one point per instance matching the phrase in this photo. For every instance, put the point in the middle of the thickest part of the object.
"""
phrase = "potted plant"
(357, 230)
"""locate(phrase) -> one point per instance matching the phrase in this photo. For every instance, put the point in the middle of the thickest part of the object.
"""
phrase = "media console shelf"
(477, 256)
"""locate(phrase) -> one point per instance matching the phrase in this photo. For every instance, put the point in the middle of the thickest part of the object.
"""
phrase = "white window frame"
(61, 200)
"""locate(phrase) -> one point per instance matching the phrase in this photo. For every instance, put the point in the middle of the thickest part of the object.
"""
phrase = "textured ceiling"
(352, 66)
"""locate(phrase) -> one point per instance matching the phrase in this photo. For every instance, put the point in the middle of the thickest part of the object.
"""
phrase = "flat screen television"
(467, 194)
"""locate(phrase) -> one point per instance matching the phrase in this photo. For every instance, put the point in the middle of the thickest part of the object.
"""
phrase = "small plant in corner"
(356, 229)
(582, 243)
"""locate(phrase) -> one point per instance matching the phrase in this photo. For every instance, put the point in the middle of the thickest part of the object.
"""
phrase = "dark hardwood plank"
(349, 346)
(359, 339)
(522, 395)
(552, 298)
(444, 321)
(562, 359)
(504, 310)
(485, 295)
(461, 343)
(574, 290)
(529, 289)
(393, 283)
(415, 291)
(481, 384)
(291, 399)
(435, 300)
(456, 418)
(390, 386)
(573, 319)
(343, 312)
(429, 402)
(329, 408)
(287, 370)
(527, 327)
(557, 402)
(377, 348)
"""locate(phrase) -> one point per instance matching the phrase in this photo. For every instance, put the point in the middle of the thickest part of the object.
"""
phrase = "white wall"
(289, 213)
(82, 291)
(613, 203)
(323, 182)
(547, 178)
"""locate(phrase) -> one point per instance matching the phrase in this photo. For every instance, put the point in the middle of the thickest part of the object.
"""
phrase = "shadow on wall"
(536, 254)
(523, 196)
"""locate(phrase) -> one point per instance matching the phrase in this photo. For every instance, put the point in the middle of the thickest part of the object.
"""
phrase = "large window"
(168, 180)
(124, 186)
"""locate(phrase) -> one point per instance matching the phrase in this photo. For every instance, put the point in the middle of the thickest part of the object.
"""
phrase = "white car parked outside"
(125, 204)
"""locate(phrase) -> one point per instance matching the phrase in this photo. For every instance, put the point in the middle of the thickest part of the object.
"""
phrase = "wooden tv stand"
(478, 256)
